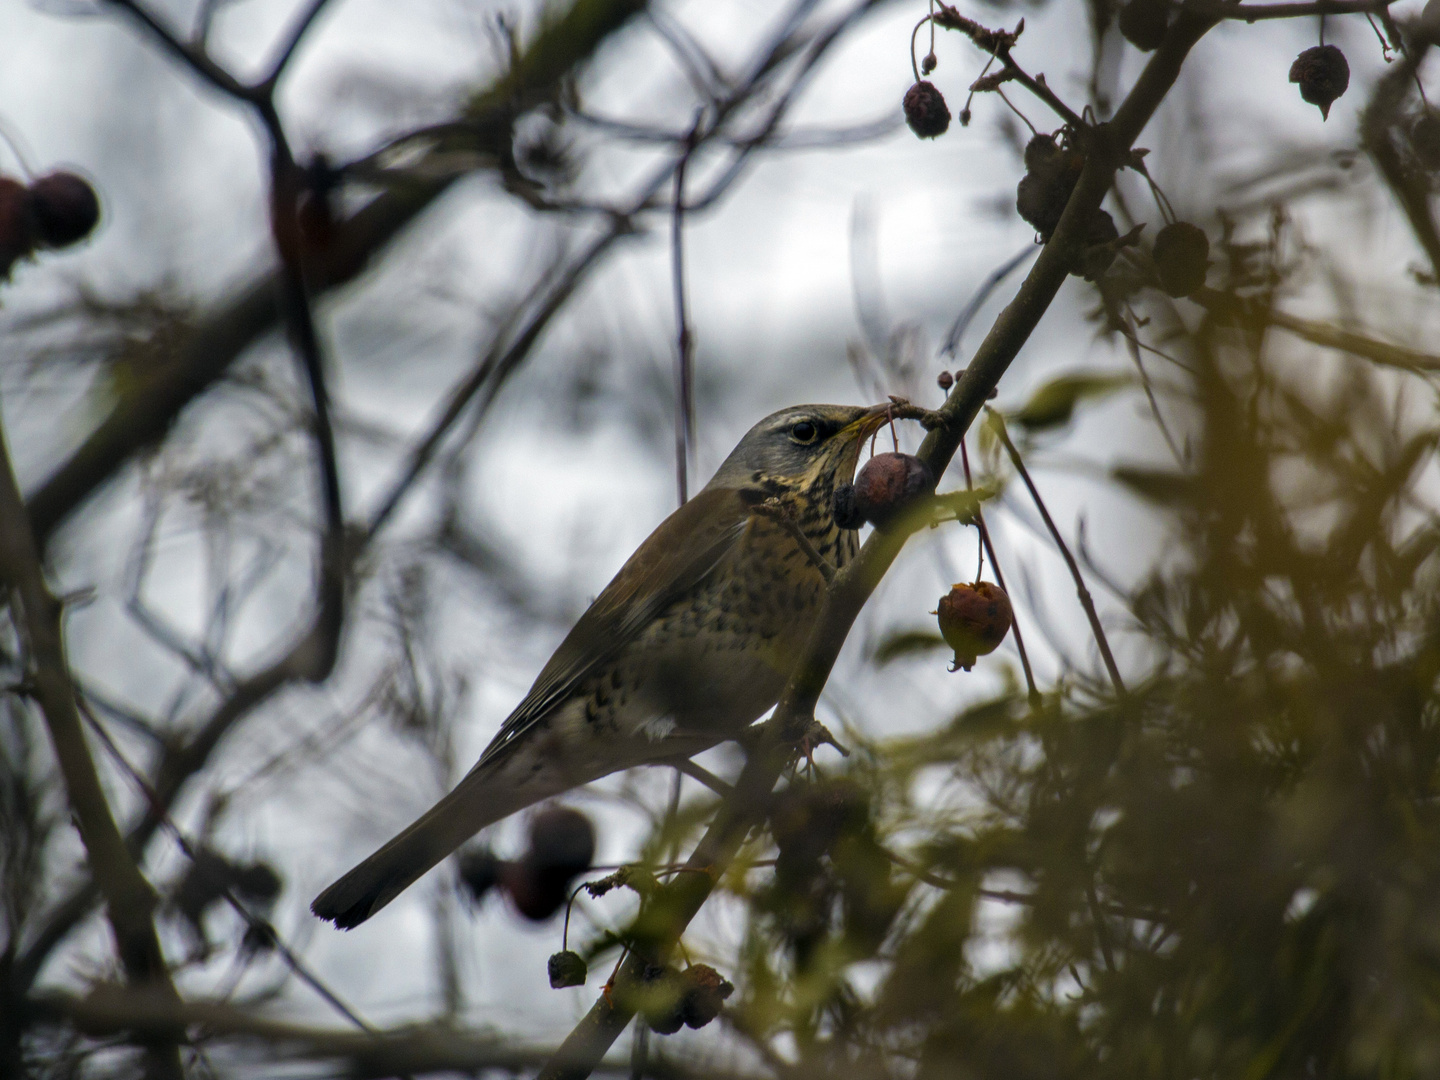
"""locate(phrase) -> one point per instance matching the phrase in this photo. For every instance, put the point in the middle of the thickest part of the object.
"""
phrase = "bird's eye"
(804, 432)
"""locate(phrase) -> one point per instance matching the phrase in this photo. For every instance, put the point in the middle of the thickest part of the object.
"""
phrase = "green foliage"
(1231, 871)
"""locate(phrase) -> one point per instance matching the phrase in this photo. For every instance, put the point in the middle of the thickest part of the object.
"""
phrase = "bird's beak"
(868, 422)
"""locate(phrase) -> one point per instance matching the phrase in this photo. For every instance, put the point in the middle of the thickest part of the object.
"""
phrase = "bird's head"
(804, 450)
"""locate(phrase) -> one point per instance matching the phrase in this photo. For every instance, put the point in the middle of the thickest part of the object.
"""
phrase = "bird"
(690, 643)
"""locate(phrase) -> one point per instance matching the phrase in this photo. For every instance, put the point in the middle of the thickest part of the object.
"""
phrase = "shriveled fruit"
(926, 111)
(566, 968)
(1051, 173)
(887, 484)
(661, 997)
(1143, 23)
(974, 620)
(1323, 74)
(705, 994)
(1182, 255)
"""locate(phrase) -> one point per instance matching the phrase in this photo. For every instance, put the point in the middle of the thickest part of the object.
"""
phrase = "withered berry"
(974, 620)
(566, 969)
(887, 484)
(1323, 74)
(1182, 254)
(1050, 176)
(945, 381)
(705, 993)
(926, 111)
(1143, 23)
(66, 208)
(17, 223)
(661, 1000)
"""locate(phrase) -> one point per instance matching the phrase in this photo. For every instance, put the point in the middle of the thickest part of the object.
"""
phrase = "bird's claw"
(816, 736)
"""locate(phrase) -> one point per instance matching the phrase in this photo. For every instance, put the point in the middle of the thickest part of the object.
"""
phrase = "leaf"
(905, 643)
(1053, 404)
(1163, 487)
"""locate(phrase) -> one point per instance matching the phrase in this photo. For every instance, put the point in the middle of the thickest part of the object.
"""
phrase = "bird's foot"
(816, 736)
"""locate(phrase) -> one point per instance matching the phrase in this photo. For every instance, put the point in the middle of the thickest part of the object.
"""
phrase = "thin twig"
(129, 899)
(191, 851)
(1084, 594)
(989, 548)
(684, 344)
(771, 750)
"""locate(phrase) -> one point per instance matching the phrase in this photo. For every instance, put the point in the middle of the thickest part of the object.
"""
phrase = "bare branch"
(673, 906)
(129, 899)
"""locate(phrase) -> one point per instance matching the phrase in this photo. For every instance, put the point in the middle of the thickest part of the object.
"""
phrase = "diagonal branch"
(129, 899)
(670, 911)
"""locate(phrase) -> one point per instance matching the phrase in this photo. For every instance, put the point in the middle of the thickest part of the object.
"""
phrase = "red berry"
(974, 620)
(888, 483)
(562, 843)
(66, 208)
(926, 111)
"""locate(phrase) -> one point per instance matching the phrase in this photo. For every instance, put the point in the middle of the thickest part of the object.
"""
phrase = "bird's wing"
(682, 551)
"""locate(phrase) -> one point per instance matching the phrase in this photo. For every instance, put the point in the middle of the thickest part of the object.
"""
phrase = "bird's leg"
(774, 510)
(818, 735)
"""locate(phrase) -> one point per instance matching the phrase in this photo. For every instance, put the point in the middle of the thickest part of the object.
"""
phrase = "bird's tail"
(480, 799)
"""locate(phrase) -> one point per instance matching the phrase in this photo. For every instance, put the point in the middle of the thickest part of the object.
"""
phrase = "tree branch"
(144, 414)
(666, 916)
(129, 899)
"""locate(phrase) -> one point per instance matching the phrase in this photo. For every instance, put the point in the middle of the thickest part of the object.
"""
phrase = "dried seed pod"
(974, 620)
(1425, 141)
(926, 111)
(66, 208)
(1182, 255)
(566, 969)
(705, 994)
(888, 483)
(842, 506)
(1050, 176)
(17, 223)
(945, 381)
(1143, 23)
(1323, 74)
